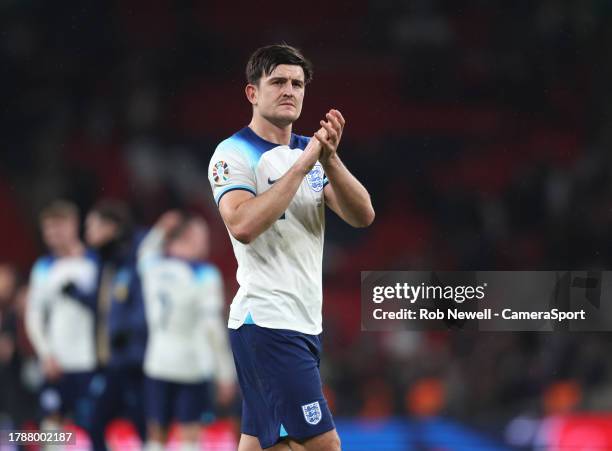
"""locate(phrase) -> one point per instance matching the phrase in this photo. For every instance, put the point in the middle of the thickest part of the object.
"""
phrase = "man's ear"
(251, 93)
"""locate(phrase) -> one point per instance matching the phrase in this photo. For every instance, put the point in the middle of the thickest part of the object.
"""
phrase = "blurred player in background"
(60, 327)
(15, 400)
(9, 369)
(271, 187)
(122, 329)
(188, 347)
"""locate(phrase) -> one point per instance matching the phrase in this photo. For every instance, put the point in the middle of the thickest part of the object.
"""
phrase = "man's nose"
(288, 89)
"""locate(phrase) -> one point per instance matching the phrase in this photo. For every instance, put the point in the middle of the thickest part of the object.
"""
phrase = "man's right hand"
(311, 154)
(247, 216)
(51, 369)
(226, 392)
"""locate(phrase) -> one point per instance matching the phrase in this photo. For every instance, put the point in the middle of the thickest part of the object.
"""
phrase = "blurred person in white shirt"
(60, 327)
(187, 352)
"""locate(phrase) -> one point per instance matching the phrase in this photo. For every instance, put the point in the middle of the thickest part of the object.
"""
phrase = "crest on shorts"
(312, 413)
(220, 172)
(315, 178)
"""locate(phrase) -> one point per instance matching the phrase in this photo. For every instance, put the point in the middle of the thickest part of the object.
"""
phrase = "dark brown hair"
(60, 209)
(265, 59)
(117, 212)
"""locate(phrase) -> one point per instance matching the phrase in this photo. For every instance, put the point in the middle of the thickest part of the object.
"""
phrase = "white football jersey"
(187, 339)
(280, 271)
(58, 325)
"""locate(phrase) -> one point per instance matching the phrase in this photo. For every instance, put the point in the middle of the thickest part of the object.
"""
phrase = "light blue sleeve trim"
(233, 188)
(206, 272)
(41, 269)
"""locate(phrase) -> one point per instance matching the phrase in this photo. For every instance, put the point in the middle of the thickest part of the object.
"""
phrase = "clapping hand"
(330, 134)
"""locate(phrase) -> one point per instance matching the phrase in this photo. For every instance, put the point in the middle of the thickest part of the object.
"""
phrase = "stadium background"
(482, 129)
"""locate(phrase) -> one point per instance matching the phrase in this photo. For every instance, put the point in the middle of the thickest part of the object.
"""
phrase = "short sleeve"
(39, 276)
(228, 171)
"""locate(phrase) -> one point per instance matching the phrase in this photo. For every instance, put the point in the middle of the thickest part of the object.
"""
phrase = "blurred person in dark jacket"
(121, 323)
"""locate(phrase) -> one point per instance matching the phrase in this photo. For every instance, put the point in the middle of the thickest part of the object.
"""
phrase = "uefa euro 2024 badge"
(312, 413)
(220, 172)
(315, 178)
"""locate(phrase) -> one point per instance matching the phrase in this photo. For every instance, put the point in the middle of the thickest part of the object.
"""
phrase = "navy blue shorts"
(278, 371)
(68, 396)
(117, 391)
(186, 403)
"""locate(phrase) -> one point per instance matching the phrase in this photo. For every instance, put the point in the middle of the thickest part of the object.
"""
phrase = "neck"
(71, 250)
(278, 134)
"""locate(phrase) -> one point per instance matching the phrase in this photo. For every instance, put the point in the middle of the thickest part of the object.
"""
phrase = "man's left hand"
(329, 135)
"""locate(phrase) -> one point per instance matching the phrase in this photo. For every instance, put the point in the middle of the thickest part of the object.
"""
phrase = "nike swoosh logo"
(271, 182)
